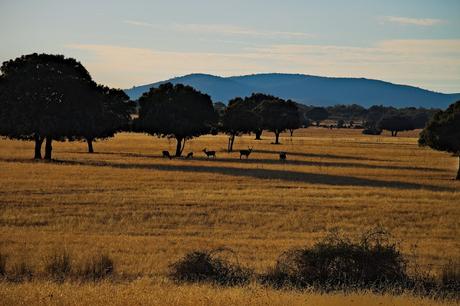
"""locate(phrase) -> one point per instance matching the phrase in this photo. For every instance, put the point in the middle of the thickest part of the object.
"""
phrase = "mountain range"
(309, 90)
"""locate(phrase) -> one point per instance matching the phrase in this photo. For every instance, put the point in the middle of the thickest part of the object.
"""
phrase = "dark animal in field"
(282, 155)
(209, 153)
(245, 153)
(189, 155)
(166, 154)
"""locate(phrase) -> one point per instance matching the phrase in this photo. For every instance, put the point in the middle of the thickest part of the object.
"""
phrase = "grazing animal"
(166, 154)
(209, 153)
(282, 155)
(245, 153)
(189, 155)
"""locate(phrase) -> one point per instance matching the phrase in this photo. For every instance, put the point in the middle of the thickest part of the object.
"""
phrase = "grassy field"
(147, 211)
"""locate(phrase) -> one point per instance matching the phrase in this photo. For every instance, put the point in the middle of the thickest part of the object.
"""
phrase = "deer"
(189, 155)
(166, 154)
(209, 153)
(282, 155)
(245, 153)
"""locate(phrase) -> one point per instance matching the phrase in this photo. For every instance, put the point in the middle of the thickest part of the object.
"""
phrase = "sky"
(130, 43)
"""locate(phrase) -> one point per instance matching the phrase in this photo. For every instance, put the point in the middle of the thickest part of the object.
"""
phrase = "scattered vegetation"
(210, 267)
(58, 266)
(337, 262)
(97, 268)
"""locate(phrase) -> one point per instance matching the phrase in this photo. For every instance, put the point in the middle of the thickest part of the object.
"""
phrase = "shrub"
(3, 259)
(20, 272)
(372, 131)
(97, 268)
(209, 267)
(58, 266)
(337, 262)
(450, 277)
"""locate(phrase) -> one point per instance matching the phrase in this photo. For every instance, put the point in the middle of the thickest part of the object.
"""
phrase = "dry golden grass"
(148, 292)
(146, 211)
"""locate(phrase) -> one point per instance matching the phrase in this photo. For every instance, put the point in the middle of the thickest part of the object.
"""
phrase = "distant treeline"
(48, 98)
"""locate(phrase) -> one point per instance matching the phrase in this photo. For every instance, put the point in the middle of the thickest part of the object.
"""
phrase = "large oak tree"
(43, 98)
(176, 111)
(443, 132)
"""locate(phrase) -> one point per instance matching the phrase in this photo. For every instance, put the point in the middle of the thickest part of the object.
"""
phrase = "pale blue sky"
(126, 43)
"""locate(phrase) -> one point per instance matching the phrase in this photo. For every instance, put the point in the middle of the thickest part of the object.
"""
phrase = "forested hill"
(310, 90)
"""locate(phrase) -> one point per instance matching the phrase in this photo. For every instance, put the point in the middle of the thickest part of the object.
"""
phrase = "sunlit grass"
(147, 211)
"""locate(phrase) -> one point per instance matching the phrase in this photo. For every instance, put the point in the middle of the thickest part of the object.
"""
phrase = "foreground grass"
(146, 211)
(147, 292)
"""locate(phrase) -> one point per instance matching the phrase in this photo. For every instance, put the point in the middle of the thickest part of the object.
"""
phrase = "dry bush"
(58, 266)
(97, 268)
(20, 272)
(337, 262)
(450, 277)
(3, 259)
(209, 266)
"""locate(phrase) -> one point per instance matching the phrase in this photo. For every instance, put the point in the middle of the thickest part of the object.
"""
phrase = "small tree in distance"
(176, 111)
(396, 123)
(443, 132)
(279, 115)
(317, 114)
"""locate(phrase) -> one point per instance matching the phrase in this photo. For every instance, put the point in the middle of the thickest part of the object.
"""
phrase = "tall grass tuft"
(97, 268)
(58, 266)
(3, 259)
(21, 272)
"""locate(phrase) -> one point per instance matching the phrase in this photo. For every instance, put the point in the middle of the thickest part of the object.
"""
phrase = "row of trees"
(49, 97)
(181, 112)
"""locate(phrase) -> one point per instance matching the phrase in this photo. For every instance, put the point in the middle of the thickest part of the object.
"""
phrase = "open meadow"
(147, 211)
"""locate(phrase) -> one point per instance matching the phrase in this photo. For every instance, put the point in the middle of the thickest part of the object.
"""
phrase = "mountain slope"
(310, 90)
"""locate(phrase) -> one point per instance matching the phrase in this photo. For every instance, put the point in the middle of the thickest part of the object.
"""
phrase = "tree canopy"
(396, 123)
(317, 114)
(443, 132)
(239, 119)
(176, 111)
(110, 112)
(279, 115)
(43, 97)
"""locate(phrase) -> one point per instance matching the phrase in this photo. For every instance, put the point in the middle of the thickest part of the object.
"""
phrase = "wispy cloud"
(413, 21)
(221, 29)
(432, 64)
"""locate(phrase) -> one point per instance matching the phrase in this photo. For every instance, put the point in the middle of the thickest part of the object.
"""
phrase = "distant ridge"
(310, 90)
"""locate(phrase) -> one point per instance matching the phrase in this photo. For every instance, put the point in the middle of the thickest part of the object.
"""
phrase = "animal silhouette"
(209, 153)
(166, 154)
(282, 155)
(189, 155)
(245, 153)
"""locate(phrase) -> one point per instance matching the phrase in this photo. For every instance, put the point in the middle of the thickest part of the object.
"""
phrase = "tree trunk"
(38, 146)
(258, 134)
(48, 148)
(90, 145)
(291, 131)
(317, 123)
(179, 146)
(277, 136)
(396, 133)
(458, 172)
(231, 140)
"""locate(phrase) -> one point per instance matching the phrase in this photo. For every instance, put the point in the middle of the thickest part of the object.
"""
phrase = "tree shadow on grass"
(285, 175)
(288, 162)
(314, 155)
